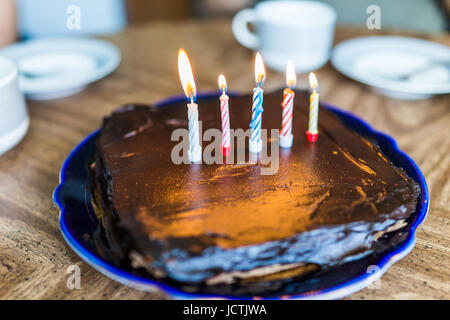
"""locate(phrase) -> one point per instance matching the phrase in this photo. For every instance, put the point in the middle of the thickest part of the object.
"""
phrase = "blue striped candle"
(255, 145)
(255, 124)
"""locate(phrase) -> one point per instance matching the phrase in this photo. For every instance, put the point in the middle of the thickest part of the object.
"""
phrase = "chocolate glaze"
(328, 204)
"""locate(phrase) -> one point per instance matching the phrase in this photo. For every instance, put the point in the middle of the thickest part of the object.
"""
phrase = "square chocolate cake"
(210, 225)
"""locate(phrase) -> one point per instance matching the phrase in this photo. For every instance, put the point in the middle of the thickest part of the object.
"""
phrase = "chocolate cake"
(204, 226)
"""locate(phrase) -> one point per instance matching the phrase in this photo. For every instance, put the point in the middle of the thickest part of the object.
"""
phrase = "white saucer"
(398, 67)
(58, 67)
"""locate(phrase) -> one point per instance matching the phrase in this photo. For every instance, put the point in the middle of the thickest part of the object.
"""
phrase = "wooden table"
(33, 255)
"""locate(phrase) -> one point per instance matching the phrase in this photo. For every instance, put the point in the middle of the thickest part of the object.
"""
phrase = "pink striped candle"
(224, 110)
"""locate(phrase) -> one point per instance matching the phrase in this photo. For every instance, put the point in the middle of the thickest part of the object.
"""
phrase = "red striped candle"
(286, 137)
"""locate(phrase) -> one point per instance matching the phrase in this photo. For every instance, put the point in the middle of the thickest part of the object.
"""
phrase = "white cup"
(14, 120)
(298, 30)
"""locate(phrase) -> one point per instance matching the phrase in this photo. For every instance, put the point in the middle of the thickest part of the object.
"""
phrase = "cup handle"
(240, 28)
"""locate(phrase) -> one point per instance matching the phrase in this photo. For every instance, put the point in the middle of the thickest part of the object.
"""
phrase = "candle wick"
(192, 98)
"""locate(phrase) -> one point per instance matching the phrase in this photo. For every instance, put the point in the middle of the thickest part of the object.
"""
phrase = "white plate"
(398, 67)
(58, 67)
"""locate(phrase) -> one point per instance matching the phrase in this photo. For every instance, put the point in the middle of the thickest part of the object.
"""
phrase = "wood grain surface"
(33, 255)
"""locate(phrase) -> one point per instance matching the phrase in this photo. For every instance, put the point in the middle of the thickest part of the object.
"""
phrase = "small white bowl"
(14, 120)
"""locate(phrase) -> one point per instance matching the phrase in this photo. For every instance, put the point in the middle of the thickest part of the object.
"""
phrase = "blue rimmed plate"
(78, 223)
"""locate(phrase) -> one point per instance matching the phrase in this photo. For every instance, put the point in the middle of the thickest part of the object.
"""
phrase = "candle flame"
(290, 75)
(186, 76)
(260, 74)
(313, 81)
(222, 83)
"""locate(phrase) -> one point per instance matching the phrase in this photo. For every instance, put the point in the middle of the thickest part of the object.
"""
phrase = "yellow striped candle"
(313, 131)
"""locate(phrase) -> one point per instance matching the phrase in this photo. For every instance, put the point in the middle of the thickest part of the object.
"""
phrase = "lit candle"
(188, 83)
(224, 110)
(313, 131)
(255, 145)
(288, 105)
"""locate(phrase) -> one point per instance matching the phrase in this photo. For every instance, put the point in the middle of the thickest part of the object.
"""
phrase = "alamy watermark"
(374, 19)
(74, 280)
(373, 281)
(212, 153)
(74, 20)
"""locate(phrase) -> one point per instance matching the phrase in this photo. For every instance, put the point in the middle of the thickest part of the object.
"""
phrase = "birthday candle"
(286, 136)
(224, 110)
(313, 131)
(188, 83)
(255, 145)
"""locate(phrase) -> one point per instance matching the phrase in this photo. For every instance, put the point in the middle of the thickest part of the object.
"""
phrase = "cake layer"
(328, 203)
